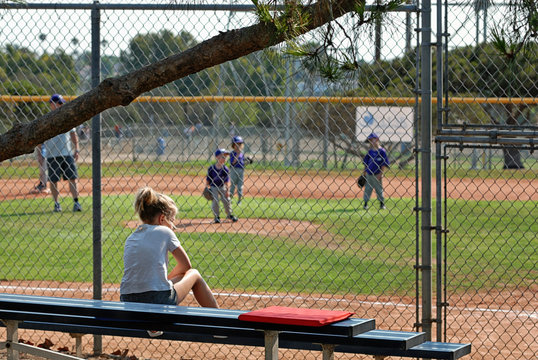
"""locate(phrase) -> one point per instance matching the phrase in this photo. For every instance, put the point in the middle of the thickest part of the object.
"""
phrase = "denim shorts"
(166, 297)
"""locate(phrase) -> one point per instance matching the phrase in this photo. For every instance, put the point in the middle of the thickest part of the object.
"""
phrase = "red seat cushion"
(295, 316)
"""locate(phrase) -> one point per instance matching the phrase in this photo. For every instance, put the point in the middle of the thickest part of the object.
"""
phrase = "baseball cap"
(237, 140)
(221, 151)
(57, 98)
(372, 136)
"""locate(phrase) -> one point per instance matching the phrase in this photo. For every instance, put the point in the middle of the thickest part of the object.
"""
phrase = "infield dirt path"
(294, 186)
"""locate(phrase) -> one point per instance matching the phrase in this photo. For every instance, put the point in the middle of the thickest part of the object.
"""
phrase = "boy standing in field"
(237, 169)
(375, 163)
(218, 182)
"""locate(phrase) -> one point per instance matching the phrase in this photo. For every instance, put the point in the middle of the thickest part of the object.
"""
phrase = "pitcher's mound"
(264, 227)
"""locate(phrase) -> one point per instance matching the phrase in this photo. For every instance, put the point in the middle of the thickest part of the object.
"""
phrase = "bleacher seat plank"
(219, 326)
(165, 314)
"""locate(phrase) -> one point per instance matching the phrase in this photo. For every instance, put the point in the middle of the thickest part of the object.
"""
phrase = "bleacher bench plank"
(164, 314)
(216, 326)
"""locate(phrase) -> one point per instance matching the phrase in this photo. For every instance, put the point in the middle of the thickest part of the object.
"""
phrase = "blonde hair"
(149, 203)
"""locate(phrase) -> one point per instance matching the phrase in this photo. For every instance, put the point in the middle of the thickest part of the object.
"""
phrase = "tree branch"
(111, 92)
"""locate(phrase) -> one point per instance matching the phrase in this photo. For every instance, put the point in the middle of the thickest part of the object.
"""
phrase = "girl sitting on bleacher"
(145, 258)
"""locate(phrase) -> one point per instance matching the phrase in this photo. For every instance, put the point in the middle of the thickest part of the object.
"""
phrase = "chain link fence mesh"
(303, 238)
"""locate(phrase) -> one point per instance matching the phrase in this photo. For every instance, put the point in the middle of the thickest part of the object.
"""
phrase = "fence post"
(96, 169)
(426, 149)
(326, 137)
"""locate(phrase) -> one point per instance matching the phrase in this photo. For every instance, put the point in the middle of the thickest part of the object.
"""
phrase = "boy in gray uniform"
(218, 181)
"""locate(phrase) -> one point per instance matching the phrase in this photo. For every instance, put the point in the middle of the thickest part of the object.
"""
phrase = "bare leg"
(202, 293)
(73, 188)
(42, 171)
(54, 190)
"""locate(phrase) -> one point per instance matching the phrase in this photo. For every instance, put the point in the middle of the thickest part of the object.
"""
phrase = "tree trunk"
(512, 158)
(512, 155)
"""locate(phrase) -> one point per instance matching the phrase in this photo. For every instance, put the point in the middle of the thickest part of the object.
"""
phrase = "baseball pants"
(236, 181)
(219, 193)
(372, 182)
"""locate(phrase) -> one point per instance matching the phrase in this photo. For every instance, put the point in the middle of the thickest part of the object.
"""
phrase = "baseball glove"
(361, 181)
(249, 160)
(207, 194)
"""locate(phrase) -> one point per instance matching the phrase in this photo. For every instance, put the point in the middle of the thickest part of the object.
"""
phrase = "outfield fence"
(460, 265)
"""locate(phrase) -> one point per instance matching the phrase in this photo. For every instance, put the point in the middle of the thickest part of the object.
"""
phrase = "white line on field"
(517, 313)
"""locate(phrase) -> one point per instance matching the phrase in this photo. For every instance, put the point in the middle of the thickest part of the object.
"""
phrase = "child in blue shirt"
(237, 168)
(218, 181)
(375, 163)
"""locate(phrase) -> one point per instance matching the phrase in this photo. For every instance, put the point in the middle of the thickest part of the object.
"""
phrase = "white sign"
(390, 123)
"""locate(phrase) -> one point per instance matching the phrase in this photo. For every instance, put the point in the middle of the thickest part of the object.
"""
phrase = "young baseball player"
(237, 167)
(376, 162)
(218, 182)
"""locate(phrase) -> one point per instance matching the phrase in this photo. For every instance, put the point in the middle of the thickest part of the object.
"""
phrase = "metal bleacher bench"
(207, 325)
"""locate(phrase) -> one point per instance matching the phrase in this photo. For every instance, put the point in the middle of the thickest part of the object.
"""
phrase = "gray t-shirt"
(145, 259)
(60, 145)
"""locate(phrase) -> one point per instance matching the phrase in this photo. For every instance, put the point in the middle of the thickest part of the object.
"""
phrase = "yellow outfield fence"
(289, 99)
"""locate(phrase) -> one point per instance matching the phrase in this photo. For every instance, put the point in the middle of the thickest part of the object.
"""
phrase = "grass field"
(461, 169)
(360, 255)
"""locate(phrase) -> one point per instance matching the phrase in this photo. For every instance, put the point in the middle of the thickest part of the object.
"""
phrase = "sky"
(24, 26)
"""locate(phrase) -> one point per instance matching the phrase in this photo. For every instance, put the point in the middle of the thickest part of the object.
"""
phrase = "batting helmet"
(57, 98)
(221, 151)
(237, 140)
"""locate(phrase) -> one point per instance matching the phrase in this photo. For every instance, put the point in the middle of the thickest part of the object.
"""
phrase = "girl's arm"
(183, 263)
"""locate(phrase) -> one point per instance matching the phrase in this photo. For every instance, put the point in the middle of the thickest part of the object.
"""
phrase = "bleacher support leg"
(328, 351)
(12, 327)
(271, 345)
(78, 343)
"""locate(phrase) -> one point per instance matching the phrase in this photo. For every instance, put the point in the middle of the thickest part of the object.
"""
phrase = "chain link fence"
(489, 190)
(303, 238)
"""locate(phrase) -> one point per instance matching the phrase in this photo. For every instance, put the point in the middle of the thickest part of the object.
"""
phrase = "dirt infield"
(293, 186)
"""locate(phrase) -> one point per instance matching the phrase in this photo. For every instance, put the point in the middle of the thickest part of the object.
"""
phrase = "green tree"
(482, 72)
(145, 49)
(274, 27)
(24, 73)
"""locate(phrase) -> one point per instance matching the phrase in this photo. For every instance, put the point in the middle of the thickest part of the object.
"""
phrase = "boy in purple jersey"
(218, 181)
(375, 163)
(237, 168)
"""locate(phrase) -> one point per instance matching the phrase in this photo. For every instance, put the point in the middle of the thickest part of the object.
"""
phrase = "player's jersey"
(237, 160)
(374, 160)
(218, 177)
